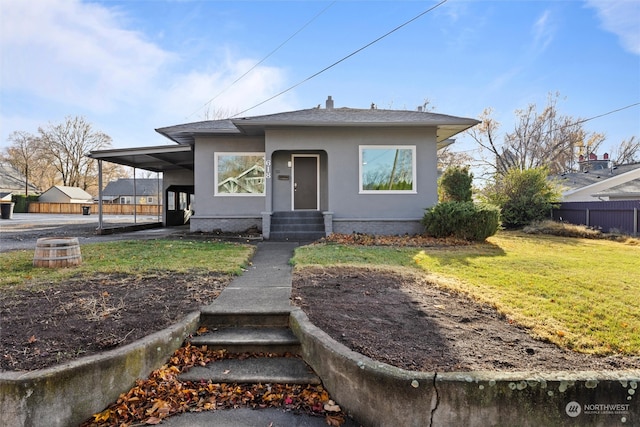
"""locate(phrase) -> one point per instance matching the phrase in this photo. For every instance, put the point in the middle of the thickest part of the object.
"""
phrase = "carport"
(175, 162)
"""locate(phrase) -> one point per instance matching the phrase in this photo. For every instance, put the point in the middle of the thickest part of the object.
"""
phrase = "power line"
(344, 58)
(578, 122)
(264, 59)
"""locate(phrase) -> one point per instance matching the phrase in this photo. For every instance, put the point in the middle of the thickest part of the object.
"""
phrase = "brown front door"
(305, 182)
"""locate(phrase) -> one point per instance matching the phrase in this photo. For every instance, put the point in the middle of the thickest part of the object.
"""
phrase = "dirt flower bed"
(46, 325)
(405, 321)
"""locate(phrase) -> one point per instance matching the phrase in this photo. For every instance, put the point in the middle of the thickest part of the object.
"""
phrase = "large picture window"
(239, 173)
(387, 168)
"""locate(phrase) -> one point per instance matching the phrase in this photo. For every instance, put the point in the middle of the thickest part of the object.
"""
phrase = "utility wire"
(344, 58)
(264, 59)
(578, 122)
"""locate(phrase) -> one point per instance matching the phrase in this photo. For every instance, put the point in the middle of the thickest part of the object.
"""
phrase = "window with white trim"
(240, 174)
(387, 169)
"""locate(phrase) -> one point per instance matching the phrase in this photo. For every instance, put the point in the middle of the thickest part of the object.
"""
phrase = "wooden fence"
(621, 215)
(107, 209)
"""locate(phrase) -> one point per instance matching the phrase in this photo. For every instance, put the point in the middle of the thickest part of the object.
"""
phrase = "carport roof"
(156, 159)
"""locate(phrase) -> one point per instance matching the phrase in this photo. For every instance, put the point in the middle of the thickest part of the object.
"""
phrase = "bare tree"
(448, 158)
(539, 139)
(627, 152)
(21, 154)
(66, 145)
(486, 135)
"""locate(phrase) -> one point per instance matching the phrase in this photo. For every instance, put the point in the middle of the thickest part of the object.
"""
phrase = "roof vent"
(420, 108)
(329, 104)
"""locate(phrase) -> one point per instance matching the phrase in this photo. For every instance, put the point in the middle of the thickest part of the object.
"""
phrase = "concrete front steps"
(264, 333)
(297, 226)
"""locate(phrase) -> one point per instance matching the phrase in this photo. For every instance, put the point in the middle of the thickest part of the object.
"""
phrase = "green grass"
(581, 294)
(130, 257)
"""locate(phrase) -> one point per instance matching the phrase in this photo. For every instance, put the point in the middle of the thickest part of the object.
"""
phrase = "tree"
(22, 154)
(627, 152)
(523, 196)
(539, 139)
(455, 185)
(66, 145)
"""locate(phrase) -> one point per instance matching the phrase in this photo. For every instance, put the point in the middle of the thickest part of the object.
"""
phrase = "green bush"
(455, 185)
(463, 220)
(524, 196)
(22, 202)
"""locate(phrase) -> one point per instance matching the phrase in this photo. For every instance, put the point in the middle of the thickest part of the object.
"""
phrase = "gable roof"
(11, 180)
(447, 126)
(71, 192)
(124, 187)
(621, 182)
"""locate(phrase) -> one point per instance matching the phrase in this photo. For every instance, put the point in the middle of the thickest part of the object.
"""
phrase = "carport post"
(99, 194)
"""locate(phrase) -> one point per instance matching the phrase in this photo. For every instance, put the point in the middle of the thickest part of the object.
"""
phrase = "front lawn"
(131, 257)
(581, 294)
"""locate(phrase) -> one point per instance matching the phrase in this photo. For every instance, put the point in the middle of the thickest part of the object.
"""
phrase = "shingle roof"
(575, 180)
(124, 187)
(446, 125)
(73, 192)
(11, 180)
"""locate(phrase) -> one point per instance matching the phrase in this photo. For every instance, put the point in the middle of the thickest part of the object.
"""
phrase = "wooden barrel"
(57, 252)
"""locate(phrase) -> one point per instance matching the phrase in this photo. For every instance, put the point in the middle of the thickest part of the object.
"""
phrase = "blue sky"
(132, 66)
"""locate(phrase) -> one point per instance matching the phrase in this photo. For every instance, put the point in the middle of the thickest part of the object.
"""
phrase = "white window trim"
(414, 171)
(215, 174)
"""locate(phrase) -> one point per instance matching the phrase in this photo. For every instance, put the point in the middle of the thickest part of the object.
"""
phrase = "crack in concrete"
(434, 408)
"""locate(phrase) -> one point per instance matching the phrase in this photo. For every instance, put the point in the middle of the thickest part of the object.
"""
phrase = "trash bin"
(86, 210)
(6, 210)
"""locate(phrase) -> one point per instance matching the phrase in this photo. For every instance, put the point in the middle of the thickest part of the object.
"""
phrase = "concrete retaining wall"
(377, 394)
(68, 394)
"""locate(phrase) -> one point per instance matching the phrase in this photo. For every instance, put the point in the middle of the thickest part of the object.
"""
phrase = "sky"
(131, 66)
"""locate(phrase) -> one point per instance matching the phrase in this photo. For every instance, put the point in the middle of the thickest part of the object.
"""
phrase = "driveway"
(24, 229)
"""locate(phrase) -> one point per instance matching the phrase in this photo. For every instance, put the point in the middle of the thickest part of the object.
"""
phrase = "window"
(387, 169)
(239, 174)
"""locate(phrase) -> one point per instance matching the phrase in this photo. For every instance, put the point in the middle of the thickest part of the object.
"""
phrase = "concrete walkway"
(263, 290)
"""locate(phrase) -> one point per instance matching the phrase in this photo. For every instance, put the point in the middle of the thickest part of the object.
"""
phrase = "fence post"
(587, 218)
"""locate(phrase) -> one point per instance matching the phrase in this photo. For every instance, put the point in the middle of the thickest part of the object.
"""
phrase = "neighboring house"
(64, 194)
(600, 180)
(122, 191)
(12, 181)
(360, 170)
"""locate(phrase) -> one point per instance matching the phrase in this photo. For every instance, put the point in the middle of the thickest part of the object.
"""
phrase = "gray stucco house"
(306, 173)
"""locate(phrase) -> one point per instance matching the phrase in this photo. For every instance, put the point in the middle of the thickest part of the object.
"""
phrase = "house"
(12, 181)
(599, 179)
(313, 171)
(144, 191)
(65, 194)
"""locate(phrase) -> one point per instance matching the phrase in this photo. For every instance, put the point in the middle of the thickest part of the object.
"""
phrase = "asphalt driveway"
(23, 230)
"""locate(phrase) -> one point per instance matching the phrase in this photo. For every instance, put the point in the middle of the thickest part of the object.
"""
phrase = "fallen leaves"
(163, 394)
(417, 240)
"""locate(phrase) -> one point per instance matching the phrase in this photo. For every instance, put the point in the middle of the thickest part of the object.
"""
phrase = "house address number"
(267, 169)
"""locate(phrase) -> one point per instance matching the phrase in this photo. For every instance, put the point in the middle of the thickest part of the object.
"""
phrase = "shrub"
(463, 220)
(455, 185)
(524, 196)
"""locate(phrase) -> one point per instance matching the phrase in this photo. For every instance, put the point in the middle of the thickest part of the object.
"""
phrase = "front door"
(305, 182)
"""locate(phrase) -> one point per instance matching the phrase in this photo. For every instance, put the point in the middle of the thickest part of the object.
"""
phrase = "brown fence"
(621, 216)
(107, 209)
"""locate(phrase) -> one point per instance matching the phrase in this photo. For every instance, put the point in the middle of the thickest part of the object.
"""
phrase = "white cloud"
(75, 53)
(67, 57)
(191, 96)
(622, 18)
(543, 32)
